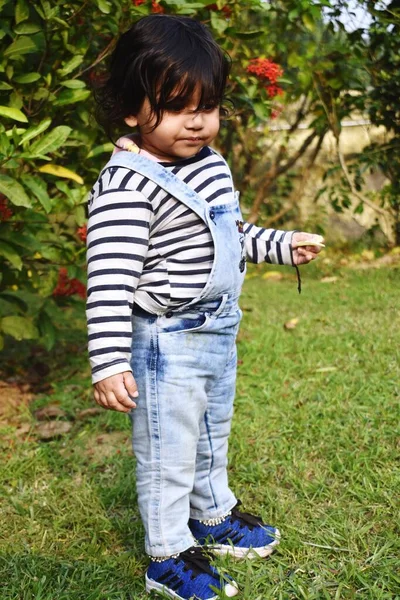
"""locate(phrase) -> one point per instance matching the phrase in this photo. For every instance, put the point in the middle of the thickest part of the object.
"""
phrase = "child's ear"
(131, 121)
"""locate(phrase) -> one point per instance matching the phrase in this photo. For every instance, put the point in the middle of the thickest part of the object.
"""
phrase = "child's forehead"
(189, 98)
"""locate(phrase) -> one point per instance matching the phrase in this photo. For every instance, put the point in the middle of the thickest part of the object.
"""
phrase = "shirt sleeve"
(268, 245)
(117, 244)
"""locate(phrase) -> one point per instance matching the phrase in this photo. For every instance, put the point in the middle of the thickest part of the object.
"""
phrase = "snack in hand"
(308, 243)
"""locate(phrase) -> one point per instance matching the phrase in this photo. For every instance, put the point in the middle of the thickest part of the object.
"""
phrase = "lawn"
(313, 450)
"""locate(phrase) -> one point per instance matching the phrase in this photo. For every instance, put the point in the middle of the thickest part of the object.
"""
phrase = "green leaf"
(1, 343)
(27, 78)
(39, 189)
(27, 28)
(14, 191)
(218, 24)
(13, 113)
(50, 142)
(71, 65)
(22, 45)
(60, 171)
(14, 297)
(5, 86)
(11, 255)
(19, 328)
(46, 12)
(47, 284)
(41, 94)
(21, 11)
(108, 147)
(104, 6)
(7, 307)
(35, 131)
(71, 97)
(249, 35)
(10, 133)
(61, 22)
(4, 144)
(74, 84)
(47, 331)
(23, 240)
(308, 21)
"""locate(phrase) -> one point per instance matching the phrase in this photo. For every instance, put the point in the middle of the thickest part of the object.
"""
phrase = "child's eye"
(178, 107)
(208, 107)
(174, 107)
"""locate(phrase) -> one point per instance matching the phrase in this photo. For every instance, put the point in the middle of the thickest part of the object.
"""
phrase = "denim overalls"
(184, 363)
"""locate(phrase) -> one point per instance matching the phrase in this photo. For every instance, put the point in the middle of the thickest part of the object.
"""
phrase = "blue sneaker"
(188, 576)
(239, 534)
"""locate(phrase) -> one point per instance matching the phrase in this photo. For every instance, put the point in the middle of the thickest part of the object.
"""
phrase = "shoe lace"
(196, 561)
(245, 519)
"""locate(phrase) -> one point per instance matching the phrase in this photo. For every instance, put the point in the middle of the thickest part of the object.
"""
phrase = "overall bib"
(184, 363)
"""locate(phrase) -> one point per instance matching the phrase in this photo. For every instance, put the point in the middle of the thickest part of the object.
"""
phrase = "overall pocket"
(181, 323)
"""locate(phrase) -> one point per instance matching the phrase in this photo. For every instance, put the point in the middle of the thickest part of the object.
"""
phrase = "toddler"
(166, 258)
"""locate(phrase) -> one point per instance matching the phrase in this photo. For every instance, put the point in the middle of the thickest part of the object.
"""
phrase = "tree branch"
(274, 171)
(351, 185)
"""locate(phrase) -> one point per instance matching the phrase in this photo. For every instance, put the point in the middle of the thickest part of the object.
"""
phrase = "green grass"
(313, 449)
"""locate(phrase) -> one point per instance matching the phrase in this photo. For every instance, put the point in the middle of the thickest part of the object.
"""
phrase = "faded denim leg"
(211, 497)
(176, 370)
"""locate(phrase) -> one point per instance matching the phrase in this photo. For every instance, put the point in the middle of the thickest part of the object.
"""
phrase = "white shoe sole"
(240, 553)
(230, 590)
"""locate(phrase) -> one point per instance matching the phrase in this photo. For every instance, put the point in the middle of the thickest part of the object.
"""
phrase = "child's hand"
(302, 252)
(116, 392)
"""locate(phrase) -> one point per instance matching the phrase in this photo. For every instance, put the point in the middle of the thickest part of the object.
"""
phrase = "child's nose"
(195, 121)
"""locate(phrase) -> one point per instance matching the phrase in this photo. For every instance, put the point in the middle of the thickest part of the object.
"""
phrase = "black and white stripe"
(144, 245)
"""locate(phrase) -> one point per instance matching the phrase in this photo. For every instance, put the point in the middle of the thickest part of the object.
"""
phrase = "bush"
(51, 151)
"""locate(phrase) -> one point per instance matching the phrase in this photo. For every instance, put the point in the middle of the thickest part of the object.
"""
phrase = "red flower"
(225, 9)
(277, 111)
(265, 69)
(274, 90)
(5, 211)
(82, 233)
(68, 287)
(138, 2)
(156, 7)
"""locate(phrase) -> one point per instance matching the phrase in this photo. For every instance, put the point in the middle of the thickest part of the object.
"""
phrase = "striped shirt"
(145, 246)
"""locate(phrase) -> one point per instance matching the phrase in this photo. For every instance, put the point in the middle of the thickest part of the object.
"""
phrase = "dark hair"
(164, 58)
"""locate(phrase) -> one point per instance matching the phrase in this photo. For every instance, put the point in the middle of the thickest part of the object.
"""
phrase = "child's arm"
(280, 247)
(118, 238)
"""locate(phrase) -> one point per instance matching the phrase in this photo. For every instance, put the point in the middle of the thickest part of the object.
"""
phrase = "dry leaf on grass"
(51, 411)
(89, 412)
(273, 276)
(13, 398)
(52, 429)
(291, 324)
(332, 279)
(23, 429)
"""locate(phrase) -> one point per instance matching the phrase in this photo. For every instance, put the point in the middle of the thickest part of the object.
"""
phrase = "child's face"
(181, 134)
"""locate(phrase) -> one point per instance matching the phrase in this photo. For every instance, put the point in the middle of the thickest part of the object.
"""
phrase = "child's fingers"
(302, 256)
(121, 403)
(119, 394)
(130, 384)
(118, 403)
(113, 399)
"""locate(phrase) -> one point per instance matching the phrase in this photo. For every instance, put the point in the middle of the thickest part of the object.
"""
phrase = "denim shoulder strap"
(162, 177)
